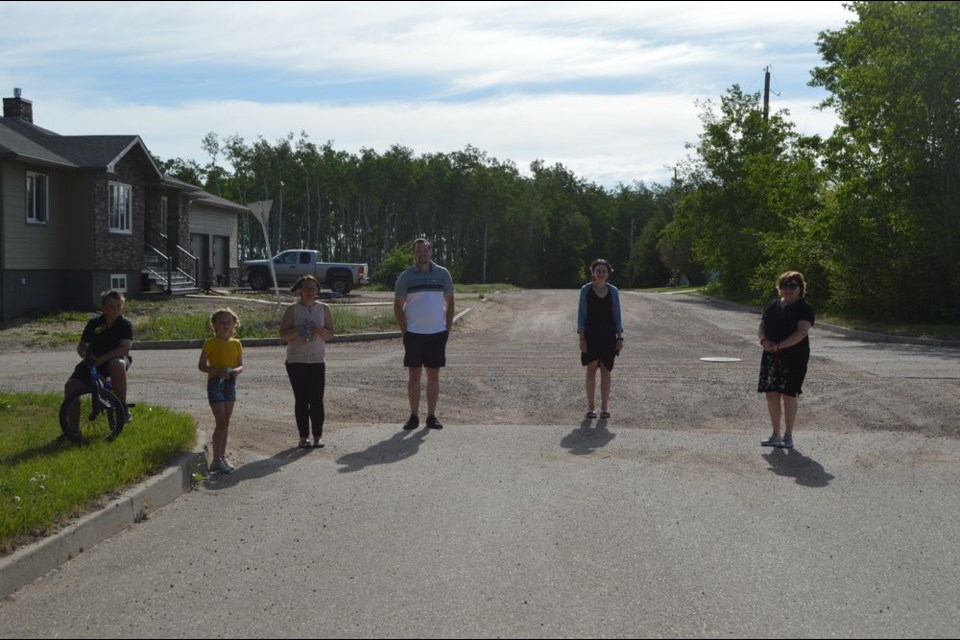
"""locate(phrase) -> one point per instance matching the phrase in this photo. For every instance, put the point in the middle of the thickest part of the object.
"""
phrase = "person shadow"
(791, 463)
(257, 469)
(397, 447)
(583, 440)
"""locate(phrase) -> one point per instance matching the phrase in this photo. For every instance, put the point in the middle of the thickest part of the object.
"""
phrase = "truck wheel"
(259, 280)
(341, 285)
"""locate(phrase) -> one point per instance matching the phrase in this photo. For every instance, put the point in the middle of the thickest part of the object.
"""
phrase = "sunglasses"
(790, 285)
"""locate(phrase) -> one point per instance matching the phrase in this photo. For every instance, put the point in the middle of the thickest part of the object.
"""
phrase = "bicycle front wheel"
(84, 419)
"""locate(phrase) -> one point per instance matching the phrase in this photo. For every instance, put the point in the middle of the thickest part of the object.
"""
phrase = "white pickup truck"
(290, 265)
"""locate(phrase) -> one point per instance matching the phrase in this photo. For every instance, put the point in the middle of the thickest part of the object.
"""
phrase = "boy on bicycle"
(108, 339)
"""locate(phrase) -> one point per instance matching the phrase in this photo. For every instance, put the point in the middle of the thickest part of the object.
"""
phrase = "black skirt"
(606, 357)
(783, 371)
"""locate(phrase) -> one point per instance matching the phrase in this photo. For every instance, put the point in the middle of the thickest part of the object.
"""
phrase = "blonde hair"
(225, 311)
(795, 276)
(113, 293)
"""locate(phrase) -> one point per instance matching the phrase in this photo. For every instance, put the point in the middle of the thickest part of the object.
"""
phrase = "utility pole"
(766, 93)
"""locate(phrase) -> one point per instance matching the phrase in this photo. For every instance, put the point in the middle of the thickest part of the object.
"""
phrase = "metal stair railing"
(154, 255)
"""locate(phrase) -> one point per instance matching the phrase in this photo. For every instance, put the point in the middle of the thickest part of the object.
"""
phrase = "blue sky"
(612, 90)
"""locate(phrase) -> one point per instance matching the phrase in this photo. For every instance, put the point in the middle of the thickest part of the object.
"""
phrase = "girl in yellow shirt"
(222, 360)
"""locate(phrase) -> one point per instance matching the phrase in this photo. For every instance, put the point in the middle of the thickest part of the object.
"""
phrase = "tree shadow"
(791, 463)
(257, 469)
(397, 447)
(583, 440)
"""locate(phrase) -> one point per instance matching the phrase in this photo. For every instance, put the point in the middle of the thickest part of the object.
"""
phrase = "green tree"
(187, 170)
(894, 219)
(749, 178)
(487, 223)
(396, 262)
(566, 234)
(630, 236)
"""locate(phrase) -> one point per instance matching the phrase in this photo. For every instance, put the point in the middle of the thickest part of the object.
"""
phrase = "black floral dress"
(784, 371)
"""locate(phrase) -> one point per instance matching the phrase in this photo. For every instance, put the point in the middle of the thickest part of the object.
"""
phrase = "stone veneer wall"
(119, 251)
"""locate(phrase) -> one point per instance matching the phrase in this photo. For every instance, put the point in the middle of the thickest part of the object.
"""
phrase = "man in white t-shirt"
(423, 307)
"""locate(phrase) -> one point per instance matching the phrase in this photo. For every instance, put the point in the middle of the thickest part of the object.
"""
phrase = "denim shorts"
(221, 390)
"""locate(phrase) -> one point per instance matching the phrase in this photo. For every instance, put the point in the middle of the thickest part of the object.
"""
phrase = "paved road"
(639, 527)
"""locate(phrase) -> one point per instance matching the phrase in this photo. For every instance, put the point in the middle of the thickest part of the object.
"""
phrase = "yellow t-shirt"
(222, 353)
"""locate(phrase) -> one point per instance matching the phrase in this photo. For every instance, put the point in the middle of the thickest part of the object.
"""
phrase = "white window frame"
(163, 216)
(118, 282)
(37, 200)
(120, 207)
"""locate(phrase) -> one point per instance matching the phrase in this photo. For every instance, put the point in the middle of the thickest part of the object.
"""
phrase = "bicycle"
(104, 412)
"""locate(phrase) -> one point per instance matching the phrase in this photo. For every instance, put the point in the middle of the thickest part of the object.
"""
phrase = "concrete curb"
(29, 563)
(277, 342)
(260, 342)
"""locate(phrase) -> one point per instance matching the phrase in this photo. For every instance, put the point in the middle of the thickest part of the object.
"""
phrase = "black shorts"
(82, 371)
(425, 349)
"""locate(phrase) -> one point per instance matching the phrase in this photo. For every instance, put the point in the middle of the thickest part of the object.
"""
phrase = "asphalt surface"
(662, 524)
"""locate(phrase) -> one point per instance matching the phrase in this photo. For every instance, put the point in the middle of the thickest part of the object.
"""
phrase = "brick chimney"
(17, 107)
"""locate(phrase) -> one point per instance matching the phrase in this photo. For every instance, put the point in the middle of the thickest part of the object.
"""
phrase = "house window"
(120, 205)
(163, 215)
(118, 282)
(37, 200)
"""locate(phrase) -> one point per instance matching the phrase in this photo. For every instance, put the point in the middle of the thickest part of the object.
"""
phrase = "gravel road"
(513, 360)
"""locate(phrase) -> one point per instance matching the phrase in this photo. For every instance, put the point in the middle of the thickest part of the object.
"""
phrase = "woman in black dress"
(786, 350)
(601, 332)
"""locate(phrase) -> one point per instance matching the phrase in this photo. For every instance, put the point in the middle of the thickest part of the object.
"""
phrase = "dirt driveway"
(513, 359)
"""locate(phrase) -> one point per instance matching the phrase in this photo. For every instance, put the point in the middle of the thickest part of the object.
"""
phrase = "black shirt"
(102, 338)
(780, 321)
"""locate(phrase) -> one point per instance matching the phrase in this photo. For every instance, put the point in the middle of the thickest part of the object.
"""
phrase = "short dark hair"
(602, 261)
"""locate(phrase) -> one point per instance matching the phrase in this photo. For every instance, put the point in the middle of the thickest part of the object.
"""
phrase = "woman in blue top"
(601, 332)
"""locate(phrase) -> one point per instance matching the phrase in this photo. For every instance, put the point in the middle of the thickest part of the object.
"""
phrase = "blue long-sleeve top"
(614, 294)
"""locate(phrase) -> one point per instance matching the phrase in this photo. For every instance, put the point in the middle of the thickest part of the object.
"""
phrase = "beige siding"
(215, 222)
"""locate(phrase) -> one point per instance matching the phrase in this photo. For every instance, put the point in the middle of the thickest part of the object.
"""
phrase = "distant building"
(83, 214)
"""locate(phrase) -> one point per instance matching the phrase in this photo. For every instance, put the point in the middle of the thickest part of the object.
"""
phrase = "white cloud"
(605, 139)
(606, 88)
